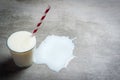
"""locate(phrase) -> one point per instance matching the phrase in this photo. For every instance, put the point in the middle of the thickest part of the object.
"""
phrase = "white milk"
(21, 45)
(55, 51)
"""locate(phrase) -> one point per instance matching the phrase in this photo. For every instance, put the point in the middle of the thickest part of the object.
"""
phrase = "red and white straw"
(41, 20)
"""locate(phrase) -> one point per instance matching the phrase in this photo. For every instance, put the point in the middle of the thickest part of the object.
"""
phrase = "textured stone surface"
(95, 24)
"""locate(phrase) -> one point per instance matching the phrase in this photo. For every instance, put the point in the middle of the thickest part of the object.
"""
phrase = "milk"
(21, 45)
(55, 51)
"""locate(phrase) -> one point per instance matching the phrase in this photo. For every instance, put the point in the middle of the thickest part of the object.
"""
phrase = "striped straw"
(41, 20)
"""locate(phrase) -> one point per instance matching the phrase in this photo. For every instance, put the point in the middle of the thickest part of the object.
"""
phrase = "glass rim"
(19, 51)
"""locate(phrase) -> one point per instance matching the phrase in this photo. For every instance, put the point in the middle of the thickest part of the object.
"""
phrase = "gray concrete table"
(95, 24)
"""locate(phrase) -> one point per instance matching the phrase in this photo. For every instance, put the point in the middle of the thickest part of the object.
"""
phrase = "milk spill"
(55, 51)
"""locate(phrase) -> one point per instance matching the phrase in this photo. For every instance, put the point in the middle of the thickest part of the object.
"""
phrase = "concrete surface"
(95, 24)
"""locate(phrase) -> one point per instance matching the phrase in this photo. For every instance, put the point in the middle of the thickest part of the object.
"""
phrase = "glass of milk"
(21, 45)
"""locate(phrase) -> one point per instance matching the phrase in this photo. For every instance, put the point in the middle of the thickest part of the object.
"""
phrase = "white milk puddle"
(55, 51)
